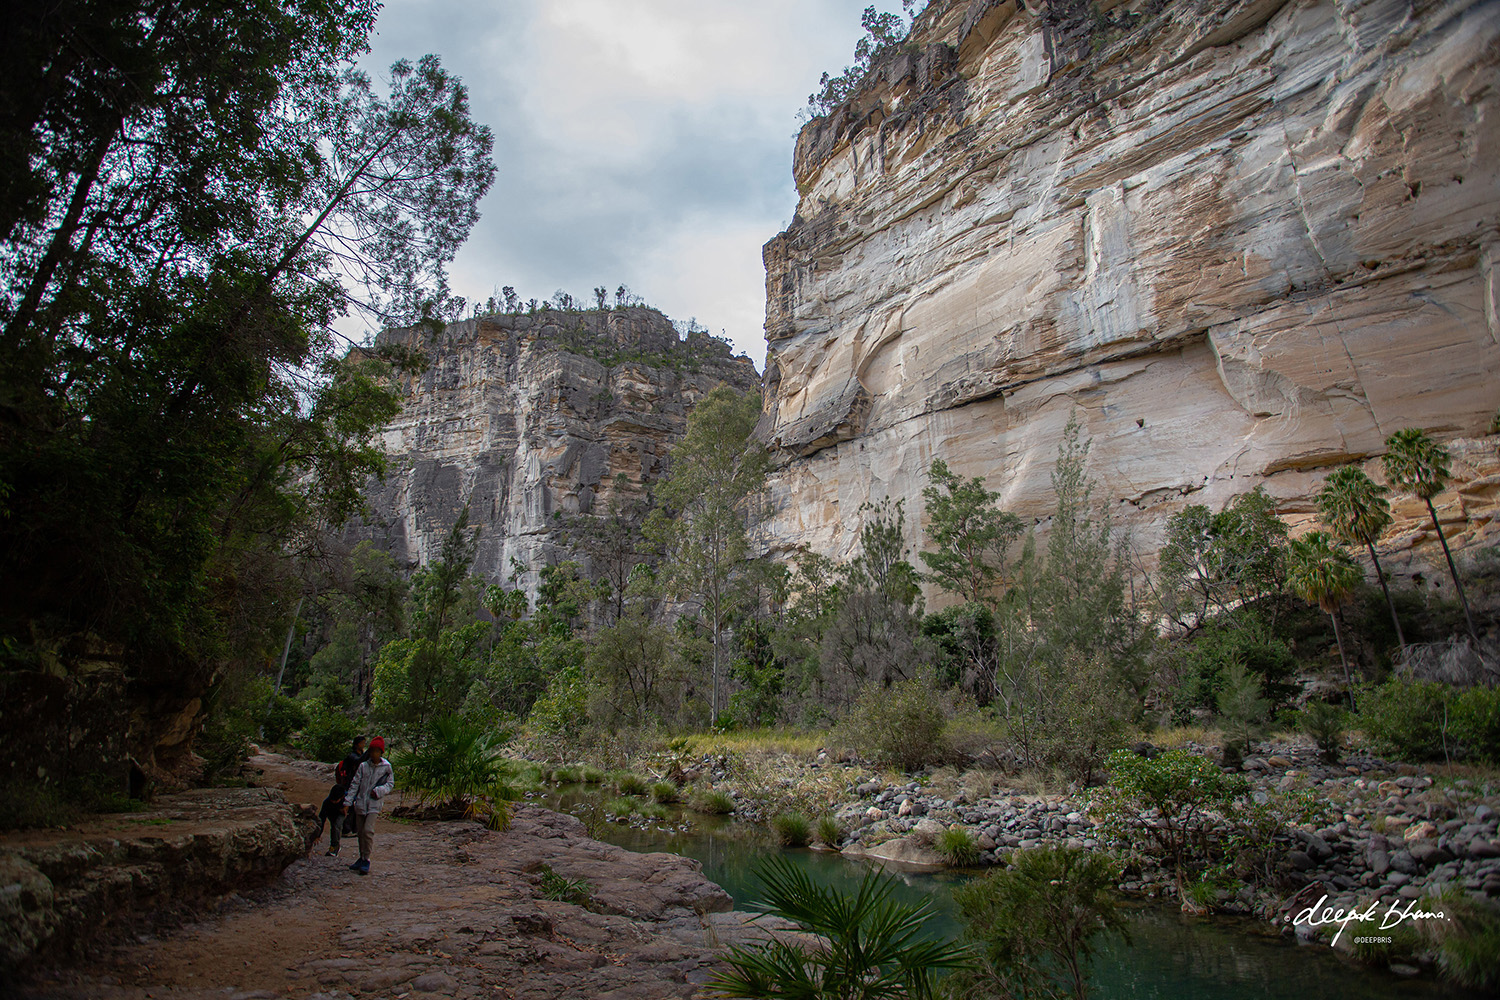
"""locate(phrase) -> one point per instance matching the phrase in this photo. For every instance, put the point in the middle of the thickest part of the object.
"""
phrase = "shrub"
(829, 831)
(327, 734)
(1407, 719)
(457, 765)
(566, 776)
(1325, 724)
(284, 716)
(1469, 953)
(1187, 794)
(869, 943)
(1037, 922)
(792, 829)
(958, 847)
(223, 745)
(663, 791)
(590, 775)
(713, 802)
(901, 725)
(1476, 722)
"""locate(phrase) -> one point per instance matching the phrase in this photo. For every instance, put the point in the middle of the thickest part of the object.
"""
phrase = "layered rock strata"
(520, 417)
(1244, 240)
(59, 891)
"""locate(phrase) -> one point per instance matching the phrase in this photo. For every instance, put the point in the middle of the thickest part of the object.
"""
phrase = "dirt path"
(449, 909)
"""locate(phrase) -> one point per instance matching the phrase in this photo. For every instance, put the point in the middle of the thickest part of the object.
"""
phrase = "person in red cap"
(374, 780)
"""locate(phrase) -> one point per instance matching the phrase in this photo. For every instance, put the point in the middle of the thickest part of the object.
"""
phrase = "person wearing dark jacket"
(332, 811)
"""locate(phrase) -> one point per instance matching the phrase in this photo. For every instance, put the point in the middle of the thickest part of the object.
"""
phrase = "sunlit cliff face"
(1245, 240)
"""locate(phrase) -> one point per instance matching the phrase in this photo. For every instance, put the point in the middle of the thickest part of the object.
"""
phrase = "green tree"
(970, 531)
(1211, 563)
(1037, 923)
(1323, 573)
(1355, 509)
(206, 189)
(707, 501)
(1415, 462)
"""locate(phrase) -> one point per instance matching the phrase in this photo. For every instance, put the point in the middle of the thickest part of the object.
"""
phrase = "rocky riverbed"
(1386, 830)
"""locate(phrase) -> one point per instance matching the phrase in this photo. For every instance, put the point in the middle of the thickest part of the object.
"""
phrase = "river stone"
(1380, 862)
(1428, 854)
(1300, 860)
(1420, 831)
(1397, 878)
(1483, 849)
(1318, 849)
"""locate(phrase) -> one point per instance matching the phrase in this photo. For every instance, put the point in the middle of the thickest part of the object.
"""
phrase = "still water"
(1169, 956)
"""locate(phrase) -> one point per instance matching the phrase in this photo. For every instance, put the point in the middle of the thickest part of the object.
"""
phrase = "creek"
(1170, 956)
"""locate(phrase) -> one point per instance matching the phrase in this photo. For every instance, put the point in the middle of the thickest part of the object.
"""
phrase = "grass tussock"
(712, 801)
(792, 829)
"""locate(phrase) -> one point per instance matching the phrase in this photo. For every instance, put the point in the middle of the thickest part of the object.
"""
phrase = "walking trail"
(449, 909)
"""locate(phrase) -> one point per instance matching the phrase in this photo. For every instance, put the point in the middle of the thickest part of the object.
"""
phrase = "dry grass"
(749, 742)
(1180, 736)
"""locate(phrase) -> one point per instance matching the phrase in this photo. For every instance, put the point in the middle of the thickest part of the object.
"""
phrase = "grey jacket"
(372, 782)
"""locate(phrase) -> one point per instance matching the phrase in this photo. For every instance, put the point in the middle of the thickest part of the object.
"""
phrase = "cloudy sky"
(644, 142)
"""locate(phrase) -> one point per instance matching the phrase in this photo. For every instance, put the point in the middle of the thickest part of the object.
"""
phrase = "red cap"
(378, 743)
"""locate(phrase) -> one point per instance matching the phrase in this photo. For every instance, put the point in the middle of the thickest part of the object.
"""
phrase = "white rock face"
(519, 417)
(1245, 240)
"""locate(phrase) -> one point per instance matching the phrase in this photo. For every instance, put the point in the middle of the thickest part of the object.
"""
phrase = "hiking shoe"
(355, 867)
(332, 852)
(363, 867)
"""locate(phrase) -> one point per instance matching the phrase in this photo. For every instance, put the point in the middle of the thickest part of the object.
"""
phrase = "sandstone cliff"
(1245, 239)
(520, 417)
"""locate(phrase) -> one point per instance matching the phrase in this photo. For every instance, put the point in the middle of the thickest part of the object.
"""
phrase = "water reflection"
(1170, 957)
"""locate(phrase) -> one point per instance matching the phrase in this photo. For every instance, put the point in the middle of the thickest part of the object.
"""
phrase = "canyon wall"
(1244, 240)
(520, 417)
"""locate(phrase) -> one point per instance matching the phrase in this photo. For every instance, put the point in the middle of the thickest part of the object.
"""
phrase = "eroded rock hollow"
(1245, 240)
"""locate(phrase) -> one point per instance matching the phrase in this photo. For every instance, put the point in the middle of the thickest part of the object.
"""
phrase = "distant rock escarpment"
(519, 417)
(1245, 240)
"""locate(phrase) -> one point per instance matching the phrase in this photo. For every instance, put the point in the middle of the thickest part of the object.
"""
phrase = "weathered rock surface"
(1245, 239)
(61, 890)
(519, 417)
(449, 909)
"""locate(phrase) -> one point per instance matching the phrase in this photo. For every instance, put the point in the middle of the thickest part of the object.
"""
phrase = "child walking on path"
(374, 780)
(332, 811)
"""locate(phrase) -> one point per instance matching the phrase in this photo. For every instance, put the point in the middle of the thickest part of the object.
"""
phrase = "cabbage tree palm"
(1323, 572)
(1415, 462)
(1355, 509)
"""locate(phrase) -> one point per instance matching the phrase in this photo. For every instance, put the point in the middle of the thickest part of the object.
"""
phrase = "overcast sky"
(643, 142)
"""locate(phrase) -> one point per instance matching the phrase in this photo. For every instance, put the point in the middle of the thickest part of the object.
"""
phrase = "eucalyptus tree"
(1354, 508)
(970, 531)
(707, 502)
(194, 194)
(1322, 572)
(1415, 462)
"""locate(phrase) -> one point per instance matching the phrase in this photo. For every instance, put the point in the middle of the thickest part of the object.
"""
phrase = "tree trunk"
(1338, 637)
(1400, 638)
(1453, 571)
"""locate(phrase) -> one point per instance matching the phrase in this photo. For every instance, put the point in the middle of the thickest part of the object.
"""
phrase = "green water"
(1169, 956)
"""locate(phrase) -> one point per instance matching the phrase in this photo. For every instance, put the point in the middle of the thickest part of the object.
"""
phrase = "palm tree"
(1415, 462)
(1323, 572)
(1355, 509)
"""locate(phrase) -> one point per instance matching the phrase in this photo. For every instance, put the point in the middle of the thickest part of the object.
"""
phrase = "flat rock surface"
(449, 909)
